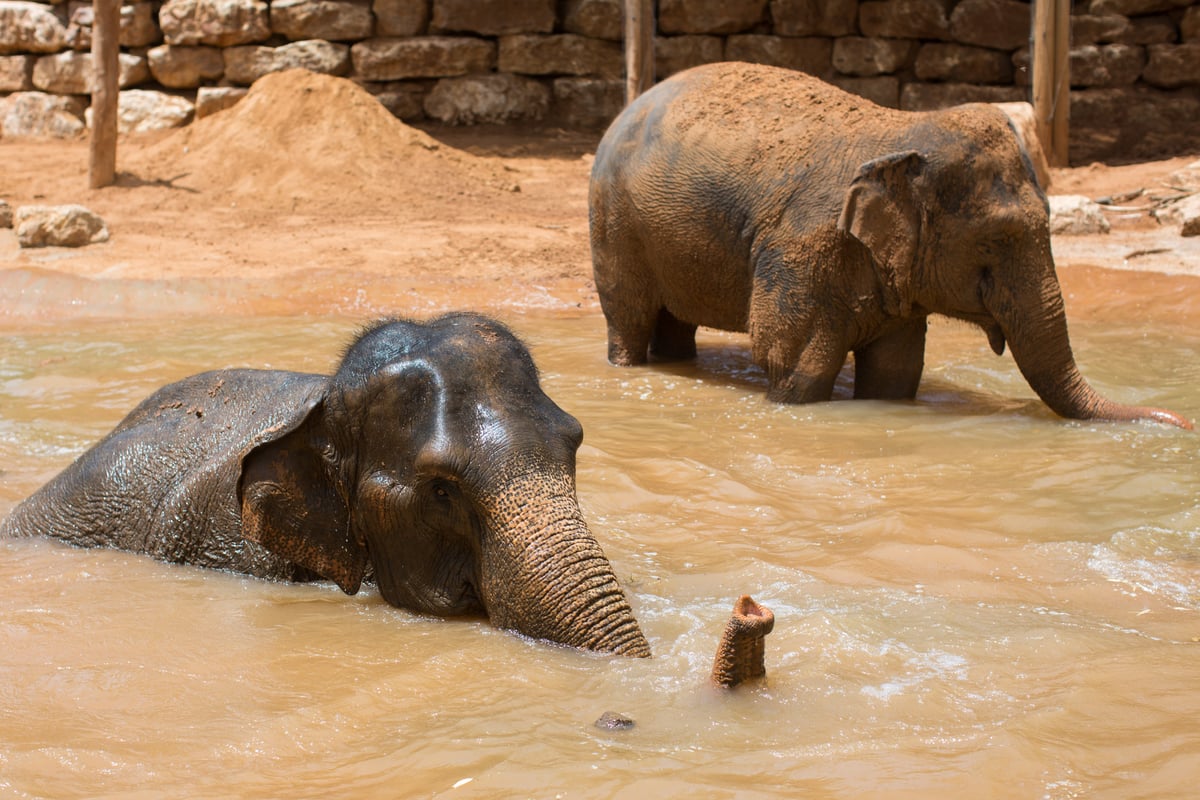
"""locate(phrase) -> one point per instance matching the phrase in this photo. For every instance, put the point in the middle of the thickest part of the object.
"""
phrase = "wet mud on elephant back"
(751, 198)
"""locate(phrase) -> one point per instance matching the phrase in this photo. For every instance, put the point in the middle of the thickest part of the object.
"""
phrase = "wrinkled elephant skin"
(751, 198)
(431, 461)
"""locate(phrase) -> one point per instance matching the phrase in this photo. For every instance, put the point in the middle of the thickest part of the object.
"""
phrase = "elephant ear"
(291, 504)
(881, 211)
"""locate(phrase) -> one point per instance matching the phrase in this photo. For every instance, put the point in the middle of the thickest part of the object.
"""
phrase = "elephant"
(430, 462)
(763, 200)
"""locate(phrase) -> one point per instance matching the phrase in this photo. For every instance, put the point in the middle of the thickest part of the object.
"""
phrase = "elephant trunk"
(545, 576)
(1041, 347)
(741, 653)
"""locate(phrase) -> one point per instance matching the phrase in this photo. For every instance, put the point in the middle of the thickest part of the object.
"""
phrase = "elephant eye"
(441, 489)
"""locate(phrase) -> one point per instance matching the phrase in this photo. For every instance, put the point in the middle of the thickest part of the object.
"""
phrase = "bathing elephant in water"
(431, 459)
(752, 198)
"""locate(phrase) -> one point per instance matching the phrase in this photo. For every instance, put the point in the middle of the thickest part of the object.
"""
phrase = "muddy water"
(973, 598)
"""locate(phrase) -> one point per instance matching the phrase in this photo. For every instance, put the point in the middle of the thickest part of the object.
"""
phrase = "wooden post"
(1052, 76)
(106, 47)
(639, 47)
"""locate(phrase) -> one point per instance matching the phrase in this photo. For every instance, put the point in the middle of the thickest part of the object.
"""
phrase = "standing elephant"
(752, 198)
(430, 459)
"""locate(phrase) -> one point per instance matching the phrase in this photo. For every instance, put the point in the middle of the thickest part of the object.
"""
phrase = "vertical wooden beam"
(1052, 76)
(639, 47)
(106, 47)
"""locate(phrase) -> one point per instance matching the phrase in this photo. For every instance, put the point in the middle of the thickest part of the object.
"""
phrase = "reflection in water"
(973, 597)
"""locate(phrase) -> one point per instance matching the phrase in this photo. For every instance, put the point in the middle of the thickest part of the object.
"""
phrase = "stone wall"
(1135, 64)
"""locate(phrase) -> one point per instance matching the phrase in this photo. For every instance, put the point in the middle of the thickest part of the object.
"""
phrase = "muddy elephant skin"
(757, 199)
(431, 460)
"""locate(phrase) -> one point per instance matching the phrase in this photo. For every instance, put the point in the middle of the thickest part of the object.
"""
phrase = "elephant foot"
(740, 655)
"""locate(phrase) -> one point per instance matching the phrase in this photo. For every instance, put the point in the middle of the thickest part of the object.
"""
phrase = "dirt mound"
(300, 140)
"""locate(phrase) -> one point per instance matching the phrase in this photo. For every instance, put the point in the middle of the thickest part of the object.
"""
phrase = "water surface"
(973, 597)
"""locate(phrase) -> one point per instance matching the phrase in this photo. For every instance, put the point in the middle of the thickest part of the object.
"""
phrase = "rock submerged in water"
(58, 226)
(612, 721)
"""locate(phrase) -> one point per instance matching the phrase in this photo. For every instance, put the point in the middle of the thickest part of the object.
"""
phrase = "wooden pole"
(1052, 76)
(106, 46)
(639, 47)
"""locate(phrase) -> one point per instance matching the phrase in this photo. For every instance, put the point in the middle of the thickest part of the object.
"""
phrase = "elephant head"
(434, 461)
(956, 224)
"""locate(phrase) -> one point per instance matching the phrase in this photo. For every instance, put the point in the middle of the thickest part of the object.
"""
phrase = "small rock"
(612, 721)
(58, 226)
(211, 99)
(1073, 214)
(1185, 213)
(1187, 178)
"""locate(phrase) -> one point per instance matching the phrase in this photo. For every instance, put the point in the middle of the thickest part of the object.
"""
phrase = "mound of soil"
(300, 139)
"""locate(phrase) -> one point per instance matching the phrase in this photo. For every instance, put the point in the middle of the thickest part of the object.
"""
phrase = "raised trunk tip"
(741, 653)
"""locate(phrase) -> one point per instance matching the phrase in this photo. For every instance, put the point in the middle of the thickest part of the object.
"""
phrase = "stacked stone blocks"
(1135, 64)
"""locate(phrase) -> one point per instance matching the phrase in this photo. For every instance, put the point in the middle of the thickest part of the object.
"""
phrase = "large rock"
(332, 20)
(139, 25)
(1159, 29)
(1099, 29)
(244, 65)
(710, 16)
(906, 19)
(1185, 213)
(487, 98)
(71, 72)
(40, 114)
(882, 90)
(942, 61)
(403, 99)
(599, 19)
(814, 17)
(1131, 8)
(560, 54)
(812, 54)
(1106, 65)
(185, 67)
(998, 24)
(1075, 215)
(30, 28)
(393, 59)
(930, 96)
(588, 102)
(401, 17)
(58, 226)
(211, 99)
(1173, 65)
(143, 110)
(493, 17)
(1133, 123)
(863, 57)
(1189, 26)
(16, 73)
(222, 23)
(676, 53)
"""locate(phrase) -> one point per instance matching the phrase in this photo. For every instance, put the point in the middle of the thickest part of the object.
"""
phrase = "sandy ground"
(308, 196)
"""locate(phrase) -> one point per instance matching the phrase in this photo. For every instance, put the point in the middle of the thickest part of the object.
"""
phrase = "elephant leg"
(673, 340)
(889, 368)
(628, 339)
(807, 376)
(629, 301)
